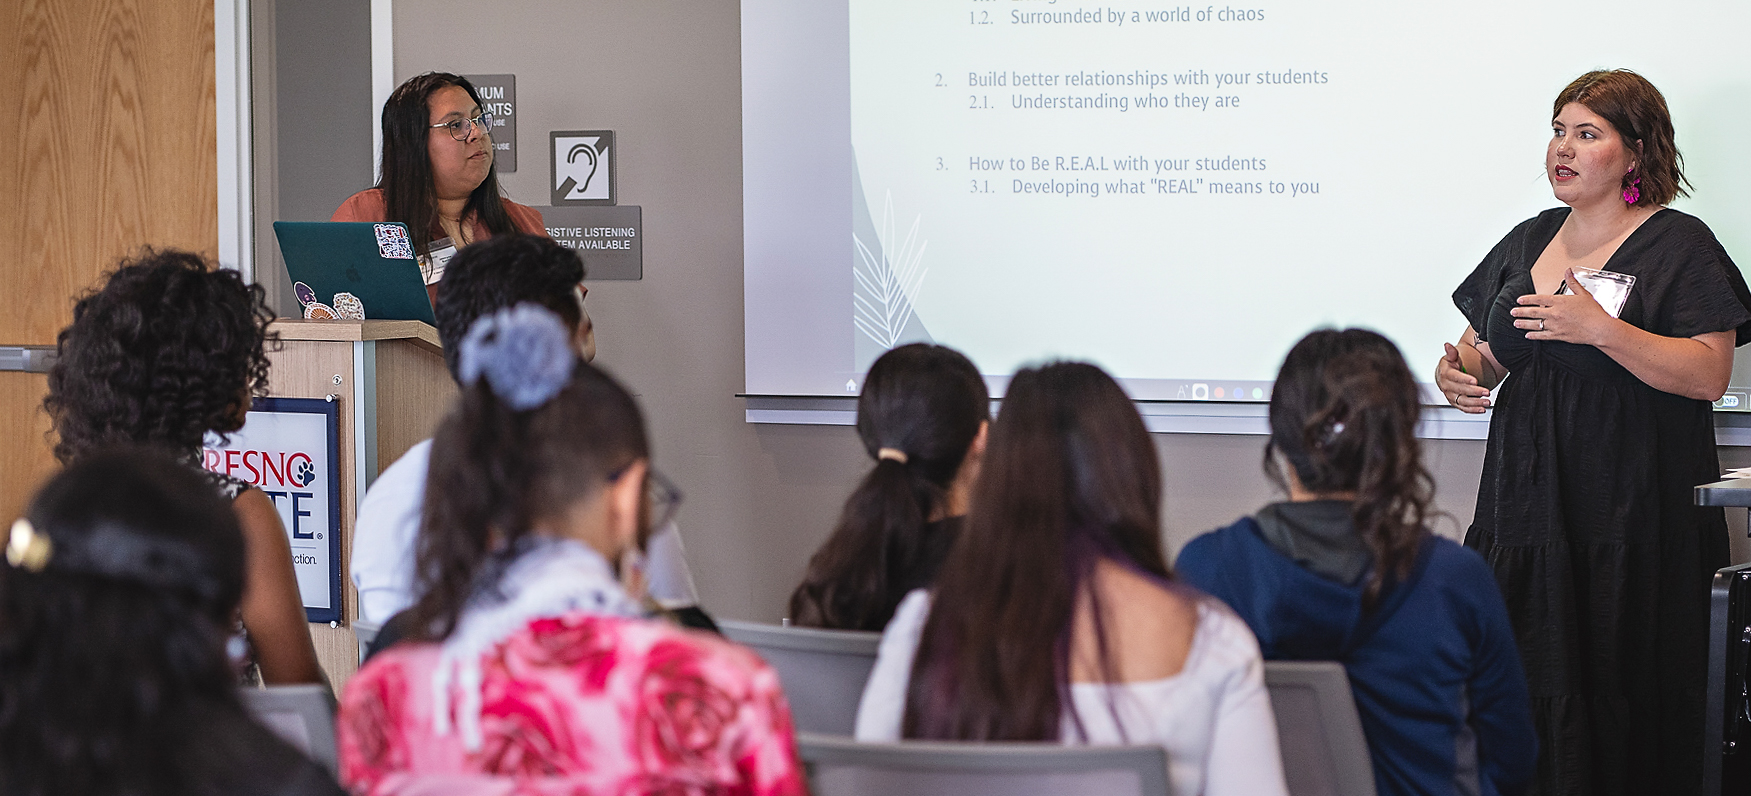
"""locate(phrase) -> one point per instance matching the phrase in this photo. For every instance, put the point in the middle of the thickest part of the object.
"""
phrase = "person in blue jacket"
(1347, 570)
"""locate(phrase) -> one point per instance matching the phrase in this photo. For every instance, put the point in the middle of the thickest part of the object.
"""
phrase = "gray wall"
(664, 74)
(312, 114)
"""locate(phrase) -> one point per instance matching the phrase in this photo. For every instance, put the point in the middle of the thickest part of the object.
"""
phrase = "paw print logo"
(304, 473)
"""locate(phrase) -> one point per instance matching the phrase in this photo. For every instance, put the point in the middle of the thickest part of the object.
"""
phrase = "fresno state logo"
(261, 468)
(286, 477)
(300, 470)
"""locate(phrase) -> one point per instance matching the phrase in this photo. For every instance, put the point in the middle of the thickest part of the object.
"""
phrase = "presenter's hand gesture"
(1461, 388)
(1576, 318)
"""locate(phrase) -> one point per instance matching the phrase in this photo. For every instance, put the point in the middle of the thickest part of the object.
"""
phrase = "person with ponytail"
(533, 666)
(1347, 570)
(922, 416)
(1055, 617)
(117, 668)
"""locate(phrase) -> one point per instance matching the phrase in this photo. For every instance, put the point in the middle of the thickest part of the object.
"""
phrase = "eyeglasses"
(460, 129)
(664, 497)
(660, 494)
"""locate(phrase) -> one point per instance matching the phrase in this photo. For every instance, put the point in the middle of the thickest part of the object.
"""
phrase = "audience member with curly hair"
(115, 603)
(166, 351)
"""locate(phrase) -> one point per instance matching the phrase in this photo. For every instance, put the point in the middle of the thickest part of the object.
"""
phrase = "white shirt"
(1214, 718)
(389, 523)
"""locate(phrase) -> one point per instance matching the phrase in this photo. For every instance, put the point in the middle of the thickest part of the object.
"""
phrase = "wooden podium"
(392, 386)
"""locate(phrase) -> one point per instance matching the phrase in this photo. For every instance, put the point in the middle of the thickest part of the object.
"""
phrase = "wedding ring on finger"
(1541, 324)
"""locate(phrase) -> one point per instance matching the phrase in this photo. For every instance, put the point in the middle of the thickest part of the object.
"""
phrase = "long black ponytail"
(920, 410)
(517, 450)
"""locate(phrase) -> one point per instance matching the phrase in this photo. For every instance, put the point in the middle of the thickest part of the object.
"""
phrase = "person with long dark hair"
(922, 416)
(438, 176)
(1347, 570)
(1055, 617)
(169, 351)
(533, 665)
(116, 602)
(1600, 431)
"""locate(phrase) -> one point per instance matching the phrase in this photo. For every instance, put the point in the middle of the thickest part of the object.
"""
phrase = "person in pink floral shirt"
(533, 669)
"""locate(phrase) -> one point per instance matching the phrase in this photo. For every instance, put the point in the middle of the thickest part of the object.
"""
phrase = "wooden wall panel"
(111, 145)
(24, 457)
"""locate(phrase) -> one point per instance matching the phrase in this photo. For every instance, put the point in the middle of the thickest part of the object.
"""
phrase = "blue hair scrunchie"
(523, 351)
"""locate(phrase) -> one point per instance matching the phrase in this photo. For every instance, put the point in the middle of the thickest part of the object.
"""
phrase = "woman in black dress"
(1584, 510)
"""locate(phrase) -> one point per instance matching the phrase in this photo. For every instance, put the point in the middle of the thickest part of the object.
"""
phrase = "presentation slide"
(1175, 192)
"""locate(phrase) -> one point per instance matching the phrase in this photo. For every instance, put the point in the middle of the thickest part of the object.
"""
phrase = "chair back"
(844, 767)
(302, 715)
(1318, 731)
(823, 671)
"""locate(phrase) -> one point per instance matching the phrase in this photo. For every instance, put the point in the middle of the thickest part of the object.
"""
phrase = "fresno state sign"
(289, 449)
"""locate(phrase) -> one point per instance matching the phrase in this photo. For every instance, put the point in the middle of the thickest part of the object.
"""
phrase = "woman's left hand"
(1575, 318)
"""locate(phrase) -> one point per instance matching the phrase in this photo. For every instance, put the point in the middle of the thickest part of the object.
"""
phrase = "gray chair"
(1318, 731)
(843, 767)
(302, 715)
(823, 671)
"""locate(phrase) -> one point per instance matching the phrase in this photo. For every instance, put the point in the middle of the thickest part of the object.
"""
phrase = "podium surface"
(392, 388)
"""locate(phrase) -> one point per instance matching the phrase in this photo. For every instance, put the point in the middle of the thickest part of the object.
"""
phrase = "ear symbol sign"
(587, 151)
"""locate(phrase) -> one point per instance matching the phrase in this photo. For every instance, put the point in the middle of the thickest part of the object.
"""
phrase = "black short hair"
(170, 348)
(504, 271)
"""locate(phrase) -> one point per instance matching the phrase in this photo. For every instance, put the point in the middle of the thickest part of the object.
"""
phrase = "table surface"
(1731, 492)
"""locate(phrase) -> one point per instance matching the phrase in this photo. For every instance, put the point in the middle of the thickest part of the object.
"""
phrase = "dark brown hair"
(1637, 111)
(167, 350)
(928, 402)
(1071, 479)
(1344, 414)
(496, 472)
(407, 183)
(504, 271)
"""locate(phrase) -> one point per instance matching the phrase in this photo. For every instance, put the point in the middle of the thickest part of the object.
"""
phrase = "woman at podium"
(1617, 318)
(438, 176)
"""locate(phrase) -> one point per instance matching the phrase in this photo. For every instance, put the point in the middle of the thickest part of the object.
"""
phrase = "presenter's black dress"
(1584, 512)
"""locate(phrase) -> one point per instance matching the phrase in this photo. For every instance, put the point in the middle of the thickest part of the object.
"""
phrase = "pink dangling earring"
(1632, 192)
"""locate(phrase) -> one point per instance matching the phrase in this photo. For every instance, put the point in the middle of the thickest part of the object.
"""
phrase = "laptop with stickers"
(354, 270)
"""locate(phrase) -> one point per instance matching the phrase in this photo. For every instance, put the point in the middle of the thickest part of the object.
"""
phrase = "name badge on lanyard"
(432, 267)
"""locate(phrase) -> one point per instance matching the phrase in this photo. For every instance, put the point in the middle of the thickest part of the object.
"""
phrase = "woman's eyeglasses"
(660, 494)
(664, 497)
(460, 129)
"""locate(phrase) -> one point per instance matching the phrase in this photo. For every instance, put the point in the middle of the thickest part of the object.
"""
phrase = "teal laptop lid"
(374, 262)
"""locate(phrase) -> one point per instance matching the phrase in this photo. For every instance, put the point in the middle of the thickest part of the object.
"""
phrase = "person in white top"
(1058, 586)
(389, 523)
(484, 278)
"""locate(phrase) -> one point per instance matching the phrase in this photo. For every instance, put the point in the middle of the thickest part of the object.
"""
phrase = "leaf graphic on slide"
(887, 283)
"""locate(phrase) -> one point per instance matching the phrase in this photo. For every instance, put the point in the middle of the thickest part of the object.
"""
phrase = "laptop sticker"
(319, 312)
(304, 293)
(392, 242)
(348, 306)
